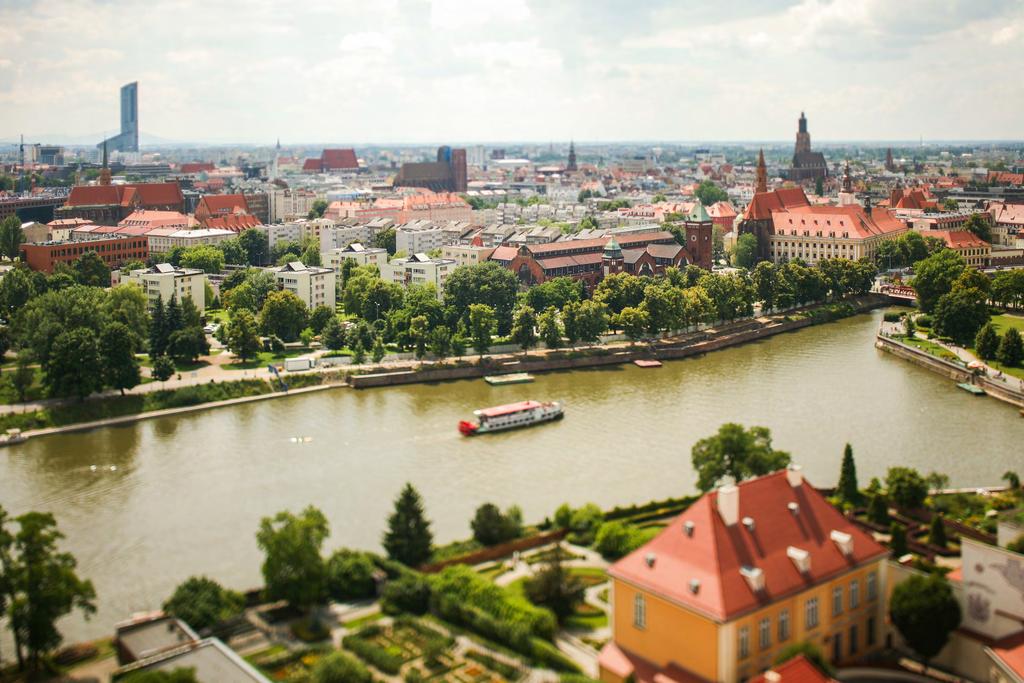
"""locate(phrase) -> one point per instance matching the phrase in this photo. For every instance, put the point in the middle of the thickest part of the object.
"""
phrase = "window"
(764, 633)
(811, 613)
(640, 611)
(784, 625)
(855, 594)
(837, 647)
(837, 600)
(853, 639)
(872, 585)
(744, 642)
(871, 631)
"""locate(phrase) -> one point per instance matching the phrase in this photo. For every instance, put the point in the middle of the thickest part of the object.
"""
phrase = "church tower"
(571, 166)
(847, 196)
(762, 174)
(803, 138)
(890, 165)
(612, 261)
(105, 171)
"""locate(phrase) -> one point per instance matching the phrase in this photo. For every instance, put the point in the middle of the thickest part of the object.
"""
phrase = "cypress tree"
(847, 487)
(898, 544)
(937, 533)
(878, 509)
(408, 537)
(157, 330)
(173, 320)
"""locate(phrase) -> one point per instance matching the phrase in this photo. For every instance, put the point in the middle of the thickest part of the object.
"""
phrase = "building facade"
(165, 282)
(418, 269)
(113, 250)
(363, 256)
(314, 285)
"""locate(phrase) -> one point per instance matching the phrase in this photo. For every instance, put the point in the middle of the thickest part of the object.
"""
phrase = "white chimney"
(729, 504)
(772, 676)
(795, 475)
(754, 577)
(843, 541)
(801, 558)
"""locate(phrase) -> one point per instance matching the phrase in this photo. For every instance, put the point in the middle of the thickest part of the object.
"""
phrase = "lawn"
(1005, 321)
(263, 359)
(930, 347)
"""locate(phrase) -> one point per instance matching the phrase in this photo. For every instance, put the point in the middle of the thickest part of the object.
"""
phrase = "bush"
(584, 524)
(309, 632)
(491, 527)
(892, 316)
(373, 654)
(1016, 545)
(506, 671)
(906, 487)
(464, 586)
(616, 539)
(338, 667)
(406, 594)
(350, 575)
(203, 603)
(924, 320)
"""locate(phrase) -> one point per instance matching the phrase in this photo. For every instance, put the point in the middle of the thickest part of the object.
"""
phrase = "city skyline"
(513, 71)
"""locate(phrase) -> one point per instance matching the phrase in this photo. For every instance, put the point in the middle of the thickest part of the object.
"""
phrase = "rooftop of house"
(153, 633)
(211, 659)
(958, 239)
(742, 547)
(799, 669)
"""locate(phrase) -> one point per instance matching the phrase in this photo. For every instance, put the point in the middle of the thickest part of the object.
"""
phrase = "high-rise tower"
(128, 139)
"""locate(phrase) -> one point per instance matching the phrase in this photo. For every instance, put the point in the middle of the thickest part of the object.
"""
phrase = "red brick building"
(332, 160)
(110, 204)
(114, 251)
(226, 212)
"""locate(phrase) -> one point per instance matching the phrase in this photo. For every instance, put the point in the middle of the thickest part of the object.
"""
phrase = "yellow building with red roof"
(744, 572)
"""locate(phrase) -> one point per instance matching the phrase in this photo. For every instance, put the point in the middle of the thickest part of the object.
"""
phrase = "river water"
(188, 492)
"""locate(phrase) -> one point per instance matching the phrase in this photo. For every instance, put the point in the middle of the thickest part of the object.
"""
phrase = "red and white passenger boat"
(511, 416)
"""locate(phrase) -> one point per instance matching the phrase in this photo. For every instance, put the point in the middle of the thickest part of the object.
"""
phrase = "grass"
(35, 392)
(930, 347)
(263, 359)
(1004, 321)
(356, 624)
(491, 573)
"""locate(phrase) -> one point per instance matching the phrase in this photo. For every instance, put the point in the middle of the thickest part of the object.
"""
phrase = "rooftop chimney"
(801, 558)
(650, 558)
(688, 526)
(754, 577)
(794, 507)
(794, 475)
(749, 523)
(729, 504)
(771, 676)
(843, 541)
(694, 586)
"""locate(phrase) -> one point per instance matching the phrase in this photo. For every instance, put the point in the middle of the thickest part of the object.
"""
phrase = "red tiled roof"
(94, 195)
(234, 222)
(714, 554)
(625, 664)
(1010, 653)
(569, 261)
(796, 670)
(721, 210)
(333, 159)
(224, 203)
(958, 239)
(838, 219)
(764, 203)
(196, 167)
(599, 242)
(312, 165)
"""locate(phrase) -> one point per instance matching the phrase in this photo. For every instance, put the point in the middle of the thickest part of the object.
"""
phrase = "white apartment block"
(286, 204)
(363, 256)
(313, 285)
(340, 236)
(166, 282)
(418, 269)
(466, 254)
(162, 240)
(419, 237)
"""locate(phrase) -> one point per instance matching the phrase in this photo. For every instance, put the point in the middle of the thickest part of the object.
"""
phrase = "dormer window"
(754, 577)
(801, 559)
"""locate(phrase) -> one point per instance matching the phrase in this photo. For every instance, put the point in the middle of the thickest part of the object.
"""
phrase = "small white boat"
(511, 416)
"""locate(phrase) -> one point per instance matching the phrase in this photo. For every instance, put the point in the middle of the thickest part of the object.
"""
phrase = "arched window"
(640, 611)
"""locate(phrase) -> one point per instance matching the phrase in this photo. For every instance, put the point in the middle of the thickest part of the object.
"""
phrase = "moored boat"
(640, 363)
(511, 416)
(511, 378)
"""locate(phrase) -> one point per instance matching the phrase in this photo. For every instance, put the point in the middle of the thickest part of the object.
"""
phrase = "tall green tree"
(487, 283)
(978, 224)
(256, 246)
(550, 328)
(127, 304)
(188, 344)
(43, 586)
(11, 237)
(293, 568)
(556, 588)
(158, 332)
(633, 322)
(524, 323)
(736, 452)
(284, 314)
(24, 375)
(898, 540)
(906, 487)
(163, 368)
(490, 526)
(986, 342)
(203, 603)
(75, 368)
(925, 611)
(319, 317)
(766, 284)
(16, 288)
(937, 531)
(847, 487)
(1011, 348)
(591, 320)
(120, 367)
(746, 251)
(408, 537)
(333, 334)
(961, 313)
(91, 271)
(935, 275)
(482, 323)
(708, 193)
(205, 257)
(243, 338)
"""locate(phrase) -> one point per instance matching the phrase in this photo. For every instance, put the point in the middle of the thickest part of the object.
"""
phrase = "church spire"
(571, 166)
(762, 174)
(105, 171)
(847, 181)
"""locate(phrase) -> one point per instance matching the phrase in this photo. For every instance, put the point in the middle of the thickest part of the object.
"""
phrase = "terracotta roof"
(312, 165)
(851, 220)
(233, 222)
(1009, 652)
(224, 203)
(334, 159)
(958, 239)
(504, 253)
(588, 259)
(1002, 213)
(763, 203)
(195, 167)
(721, 210)
(599, 242)
(796, 670)
(710, 558)
(624, 664)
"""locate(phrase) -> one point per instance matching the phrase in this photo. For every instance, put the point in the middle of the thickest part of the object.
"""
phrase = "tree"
(878, 509)
(550, 328)
(283, 314)
(736, 452)
(819, 186)
(386, 239)
(408, 537)
(256, 246)
(377, 351)
(243, 340)
(491, 527)
(481, 327)
(293, 569)
(418, 334)
(42, 586)
(409, 593)
(633, 322)
(205, 257)
(708, 193)
(11, 237)
(979, 225)
(584, 524)
(188, 344)
(320, 316)
(523, 323)
(440, 340)
(1012, 480)
(620, 291)
(318, 209)
(937, 531)
(358, 353)
(487, 283)
(906, 487)
(333, 334)
(898, 540)
(233, 251)
(935, 275)
(847, 487)
(746, 251)
(616, 539)
(158, 332)
(960, 314)
(808, 650)
(120, 367)
(925, 611)
(351, 575)
(591, 320)
(24, 376)
(555, 588)
(311, 254)
(766, 283)
(91, 271)
(74, 369)
(986, 342)
(1011, 348)
(555, 292)
(39, 323)
(203, 603)
(338, 667)
(163, 368)
(16, 288)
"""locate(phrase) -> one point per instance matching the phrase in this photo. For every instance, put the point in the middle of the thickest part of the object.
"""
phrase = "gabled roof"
(699, 550)
(764, 203)
(335, 159)
(958, 239)
(796, 670)
(147, 194)
(224, 203)
(312, 165)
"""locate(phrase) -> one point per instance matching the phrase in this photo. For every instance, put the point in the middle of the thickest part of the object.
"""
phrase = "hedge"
(507, 671)
(464, 586)
(373, 654)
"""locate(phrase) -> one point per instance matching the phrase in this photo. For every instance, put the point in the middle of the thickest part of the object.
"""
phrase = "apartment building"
(363, 256)
(314, 285)
(418, 269)
(164, 281)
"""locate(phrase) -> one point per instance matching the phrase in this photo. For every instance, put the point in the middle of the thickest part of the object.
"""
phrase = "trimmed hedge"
(372, 653)
(507, 671)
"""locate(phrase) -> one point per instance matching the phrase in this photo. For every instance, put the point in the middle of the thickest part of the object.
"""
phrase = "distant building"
(226, 211)
(195, 168)
(128, 139)
(571, 163)
(165, 282)
(467, 254)
(313, 284)
(418, 269)
(743, 573)
(158, 219)
(807, 164)
(418, 236)
(110, 204)
(259, 205)
(332, 160)
(114, 250)
(1008, 222)
(976, 251)
(162, 240)
(288, 204)
(447, 174)
(363, 256)
(342, 235)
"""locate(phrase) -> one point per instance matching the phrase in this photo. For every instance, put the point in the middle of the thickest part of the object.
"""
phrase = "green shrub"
(350, 575)
(924, 320)
(615, 539)
(506, 671)
(1016, 545)
(892, 316)
(373, 654)
(407, 594)
(462, 584)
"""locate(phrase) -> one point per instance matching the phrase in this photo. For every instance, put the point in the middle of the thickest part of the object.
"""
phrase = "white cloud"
(366, 40)
(462, 14)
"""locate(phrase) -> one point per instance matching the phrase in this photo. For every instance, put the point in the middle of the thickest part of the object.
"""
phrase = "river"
(184, 495)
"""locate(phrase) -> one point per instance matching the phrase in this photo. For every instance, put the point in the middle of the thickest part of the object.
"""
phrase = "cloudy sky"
(365, 71)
